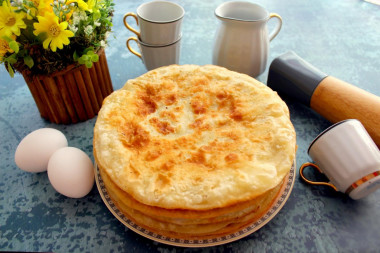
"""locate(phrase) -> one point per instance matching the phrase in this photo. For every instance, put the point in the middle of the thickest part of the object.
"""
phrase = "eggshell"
(33, 152)
(71, 172)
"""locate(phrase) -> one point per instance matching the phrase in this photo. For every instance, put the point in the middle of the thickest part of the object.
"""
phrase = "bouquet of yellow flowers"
(45, 36)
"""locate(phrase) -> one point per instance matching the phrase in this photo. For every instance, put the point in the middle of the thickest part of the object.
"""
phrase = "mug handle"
(313, 182)
(131, 49)
(277, 28)
(128, 26)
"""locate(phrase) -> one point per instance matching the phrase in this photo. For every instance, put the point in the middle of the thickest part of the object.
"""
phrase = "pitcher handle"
(128, 26)
(277, 29)
(313, 182)
(131, 49)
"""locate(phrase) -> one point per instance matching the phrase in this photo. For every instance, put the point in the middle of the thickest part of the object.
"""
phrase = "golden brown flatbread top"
(194, 137)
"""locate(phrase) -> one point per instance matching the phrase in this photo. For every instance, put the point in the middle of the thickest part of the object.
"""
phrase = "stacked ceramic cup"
(159, 35)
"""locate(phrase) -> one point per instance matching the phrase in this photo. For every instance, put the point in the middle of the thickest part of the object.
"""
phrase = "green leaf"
(85, 57)
(75, 56)
(7, 39)
(88, 49)
(10, 70)
(30, 4)
(81, 61)
(97, 14)
(42, 36)
(12, 59)
(29, 61)
(95, 58)
(88, 64)
(14, 46)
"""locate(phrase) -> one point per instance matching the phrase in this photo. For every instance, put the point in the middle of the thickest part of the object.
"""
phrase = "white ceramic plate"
(279, 202)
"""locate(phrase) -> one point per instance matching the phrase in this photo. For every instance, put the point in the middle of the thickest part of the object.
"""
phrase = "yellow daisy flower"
(11, 22)
(91, 4)
(94, 5)
(81, 4)
(4, 48)
(4, 45)
(56, 33)
(40, 7)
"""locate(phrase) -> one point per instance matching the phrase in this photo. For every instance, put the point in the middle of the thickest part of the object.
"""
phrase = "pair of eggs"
(69, 169)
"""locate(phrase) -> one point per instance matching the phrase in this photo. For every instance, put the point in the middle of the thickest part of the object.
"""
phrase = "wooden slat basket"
(73, 94)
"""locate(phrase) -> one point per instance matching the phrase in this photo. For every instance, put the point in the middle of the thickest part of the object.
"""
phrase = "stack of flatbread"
(193, 151)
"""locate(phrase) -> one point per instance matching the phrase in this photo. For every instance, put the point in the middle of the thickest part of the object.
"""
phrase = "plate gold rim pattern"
(277, 205)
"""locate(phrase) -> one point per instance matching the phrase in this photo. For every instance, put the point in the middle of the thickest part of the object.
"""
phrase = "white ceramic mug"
(159, 22)
(242, 40)
(349, 158)
(156, 56)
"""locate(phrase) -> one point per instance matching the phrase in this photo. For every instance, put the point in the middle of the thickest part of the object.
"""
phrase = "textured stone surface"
(339, 37)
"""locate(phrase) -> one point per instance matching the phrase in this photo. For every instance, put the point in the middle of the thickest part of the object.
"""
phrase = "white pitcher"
(242, 41)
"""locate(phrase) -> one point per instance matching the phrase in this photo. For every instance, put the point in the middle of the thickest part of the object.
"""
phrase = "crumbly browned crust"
(194, 138)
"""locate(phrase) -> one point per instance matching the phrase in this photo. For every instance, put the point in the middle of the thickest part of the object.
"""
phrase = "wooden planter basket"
(73, 94)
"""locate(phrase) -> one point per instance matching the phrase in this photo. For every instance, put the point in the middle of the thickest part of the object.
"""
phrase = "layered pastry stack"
(193, 152)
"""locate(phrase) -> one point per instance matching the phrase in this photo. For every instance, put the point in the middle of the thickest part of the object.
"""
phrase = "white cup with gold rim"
(159, 22)
(156, 56)
(349, 158)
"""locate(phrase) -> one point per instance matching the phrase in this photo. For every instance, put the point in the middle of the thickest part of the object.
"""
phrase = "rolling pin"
(331, 97)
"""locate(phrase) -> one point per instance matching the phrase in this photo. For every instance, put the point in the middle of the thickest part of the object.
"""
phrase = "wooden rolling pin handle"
(337, 100)
(334, 99)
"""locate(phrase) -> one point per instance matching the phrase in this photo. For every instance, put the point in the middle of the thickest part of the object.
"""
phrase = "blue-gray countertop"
(341, 38)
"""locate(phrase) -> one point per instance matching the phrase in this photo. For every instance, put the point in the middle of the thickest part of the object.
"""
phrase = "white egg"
(71, 172)
(33, 152)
